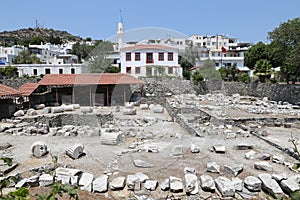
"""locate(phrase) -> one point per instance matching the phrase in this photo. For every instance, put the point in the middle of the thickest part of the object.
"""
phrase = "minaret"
(120, 32)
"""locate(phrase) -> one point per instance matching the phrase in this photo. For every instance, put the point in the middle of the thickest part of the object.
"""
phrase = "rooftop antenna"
(121, 18)
(36, 23)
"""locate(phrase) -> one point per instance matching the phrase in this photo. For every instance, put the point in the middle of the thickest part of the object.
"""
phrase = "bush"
(186, 74)
(197, 77)
(243, 77)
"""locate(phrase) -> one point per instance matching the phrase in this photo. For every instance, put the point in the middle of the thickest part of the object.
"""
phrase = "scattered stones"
(225, 186)
(117, 183)
(252, 183)
(100, 184)
(142, 164)
(234, 169)
(191, 184)
(75, 151)
(207, 183)
(39, 149)
(150, 185)
(175, 184)
(213, 167)
(219, 148)
(263, 165)
(270, 186)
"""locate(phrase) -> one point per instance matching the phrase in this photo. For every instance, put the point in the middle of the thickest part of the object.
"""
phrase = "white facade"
(38, 69)
(7, 54)
(150, 60)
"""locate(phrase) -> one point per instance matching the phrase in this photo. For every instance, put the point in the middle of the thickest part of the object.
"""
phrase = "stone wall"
(16, 83)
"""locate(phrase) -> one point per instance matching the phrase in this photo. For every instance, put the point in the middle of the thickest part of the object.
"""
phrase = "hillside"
(22, 36)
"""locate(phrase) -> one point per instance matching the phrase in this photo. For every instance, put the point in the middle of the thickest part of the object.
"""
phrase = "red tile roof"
(8, 92)
(149, 46)
(89, 79)
(28, 88)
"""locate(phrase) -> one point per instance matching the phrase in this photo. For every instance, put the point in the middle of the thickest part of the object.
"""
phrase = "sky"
(247, 20)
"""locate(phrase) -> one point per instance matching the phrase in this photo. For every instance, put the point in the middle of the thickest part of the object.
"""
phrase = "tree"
(285, 48)
(197, 77)
(33, 40)
(25, 57)
(209, 72)
(263, 69)
(82, 50)
(99, 59)
(112, 69)
(255, 53)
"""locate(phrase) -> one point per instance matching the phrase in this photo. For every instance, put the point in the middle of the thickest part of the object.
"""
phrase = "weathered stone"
(165, 185)
(289, 186)
(177, 151)
(28, 182)
(4, 145)
(265, 156)
(57, 110)
(270, 186)
(250, 155)
(195, 148)
(47, 110)
(19, 113)
(278, 159)
(234, 169)
(39, 149)
(213, 167)
(207, 183)
(142, 177)
(142, 164)
(219, 148)
(287, 125)
(175, 184)
(85, 181)
(75, 151)
(263, 165)
(144, 106)
(100, 184)
(252, 183)
(279, 177)
(68, 107)
(151, 185)
(86, 110)
(111, 138)
(130, 181)
(157, 109)
(225, 186)
(244, 146)
(191, 184)
(117, 183)
(129, 111)
(237, 183)
(39, 106)
(45, 180)
(31, 112)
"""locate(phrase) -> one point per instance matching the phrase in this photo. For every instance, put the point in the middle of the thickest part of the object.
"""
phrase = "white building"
(8, 54)
(150, 60)
(38, 69)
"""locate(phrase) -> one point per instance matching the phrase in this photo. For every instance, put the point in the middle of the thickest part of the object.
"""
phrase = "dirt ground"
(118, 160)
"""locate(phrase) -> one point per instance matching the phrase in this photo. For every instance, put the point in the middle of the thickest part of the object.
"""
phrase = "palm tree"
(263, 69)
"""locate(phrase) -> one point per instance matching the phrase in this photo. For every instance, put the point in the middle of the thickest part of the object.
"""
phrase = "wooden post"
(90, 96)
(107, 95)
(73, 95)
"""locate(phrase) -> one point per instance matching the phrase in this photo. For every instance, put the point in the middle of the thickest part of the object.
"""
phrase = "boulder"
(279, 177)
(289, 186)
(150, 185)
(129, 111)
(85, 181)
(75, 151)
(19, 113)
(225, 186)
(142, 164)
(175, 184)
(65, 175)
(244, 146)
(263, 165)
(141, 177)
(57, 110)
(165, 185)
(130, 181)
(144, 106)
(195, 148)
(207, 183)
(47, 110)
(157, 109)
(31, 112)
(213, 167)
(100, 184)
(219, 148)
(86, 110)
(278, 159)
(189, 170)
(252, 183)
(234, 169)
(270, 186)
(237, 183)
(191, 184)
(45, 180)
(68, 107)
(117, 183)
(250, 155)
(39, 106)
(39, 149)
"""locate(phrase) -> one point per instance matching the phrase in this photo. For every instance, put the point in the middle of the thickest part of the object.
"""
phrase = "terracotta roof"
(28, 88)
(149, 46)
(8, 92)
(89, 79)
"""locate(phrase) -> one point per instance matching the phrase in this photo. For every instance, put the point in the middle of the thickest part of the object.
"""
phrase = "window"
(170, 70)
(137, 56)
(47, 71)
(148, 71)
(213, 54)
(161, 56)
(217, 64)
(137, 70)
(213, 43)
(128, 70)
(170, 56)
(34, 72)
(60, 71)
(72, 71)
(149, 57)
(128, 56)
